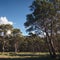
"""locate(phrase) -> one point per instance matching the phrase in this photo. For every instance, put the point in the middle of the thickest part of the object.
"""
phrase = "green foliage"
(44, 17)
(43, 13)
(40, 18)
(9, 40)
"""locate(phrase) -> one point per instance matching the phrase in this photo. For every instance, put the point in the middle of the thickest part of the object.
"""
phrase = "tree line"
(16, 42)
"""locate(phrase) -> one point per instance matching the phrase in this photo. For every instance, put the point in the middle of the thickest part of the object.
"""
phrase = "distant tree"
(17, 35)
(3, 31)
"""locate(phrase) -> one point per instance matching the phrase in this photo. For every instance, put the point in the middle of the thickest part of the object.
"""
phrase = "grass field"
(26, 56)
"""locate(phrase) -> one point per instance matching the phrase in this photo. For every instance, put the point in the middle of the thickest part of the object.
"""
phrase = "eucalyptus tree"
(17, 36)
(43, 18)
(4, 29)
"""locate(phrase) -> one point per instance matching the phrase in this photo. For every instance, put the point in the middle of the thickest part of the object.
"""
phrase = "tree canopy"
(44, 17)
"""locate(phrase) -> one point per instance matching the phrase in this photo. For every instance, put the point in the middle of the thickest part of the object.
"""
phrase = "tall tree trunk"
(50, 44)
(47, 41)
(16, 47)
(3, 47)
(51, 40)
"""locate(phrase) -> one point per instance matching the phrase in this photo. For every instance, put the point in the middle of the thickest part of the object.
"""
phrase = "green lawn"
(26, 56)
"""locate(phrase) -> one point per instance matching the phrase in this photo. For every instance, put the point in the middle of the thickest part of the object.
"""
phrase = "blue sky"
(15, 11)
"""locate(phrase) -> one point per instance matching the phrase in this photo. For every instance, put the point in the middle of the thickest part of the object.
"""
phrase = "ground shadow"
(33, 58)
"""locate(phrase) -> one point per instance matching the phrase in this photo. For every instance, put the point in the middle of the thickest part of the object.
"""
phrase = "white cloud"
(4, 20)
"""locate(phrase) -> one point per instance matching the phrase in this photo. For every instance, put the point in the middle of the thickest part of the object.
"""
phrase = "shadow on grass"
(33, 58)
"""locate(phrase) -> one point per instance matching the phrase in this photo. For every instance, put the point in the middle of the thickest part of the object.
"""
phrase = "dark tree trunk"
(51, 40)
(50, 44)
(47, 41)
